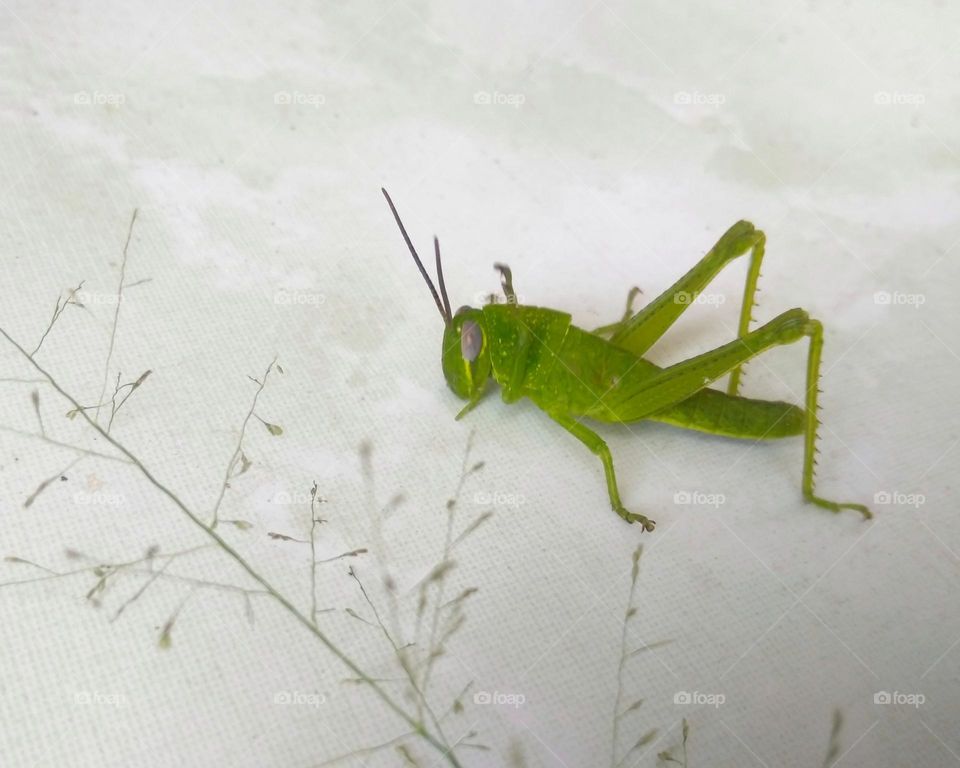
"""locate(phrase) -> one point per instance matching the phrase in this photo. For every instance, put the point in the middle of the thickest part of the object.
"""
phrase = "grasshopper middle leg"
(597, 445)
(604, 330)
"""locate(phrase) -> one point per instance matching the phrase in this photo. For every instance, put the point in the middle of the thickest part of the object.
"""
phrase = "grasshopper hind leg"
(651, 394)
(814, 330)
(638, 332)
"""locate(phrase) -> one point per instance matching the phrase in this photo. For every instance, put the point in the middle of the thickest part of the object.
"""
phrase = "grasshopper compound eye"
(471, 340)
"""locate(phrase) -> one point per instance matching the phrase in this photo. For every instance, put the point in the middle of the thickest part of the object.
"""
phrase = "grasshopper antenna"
(443, 288)
(444, 308)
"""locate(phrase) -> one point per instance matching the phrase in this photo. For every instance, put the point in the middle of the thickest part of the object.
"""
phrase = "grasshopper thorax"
(466, 355)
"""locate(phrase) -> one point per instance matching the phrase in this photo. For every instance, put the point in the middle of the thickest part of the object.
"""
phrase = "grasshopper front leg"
(506, 281)
(596, 444)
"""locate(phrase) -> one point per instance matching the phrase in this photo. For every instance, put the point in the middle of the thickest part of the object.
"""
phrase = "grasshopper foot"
(834, 506)
(632, 517)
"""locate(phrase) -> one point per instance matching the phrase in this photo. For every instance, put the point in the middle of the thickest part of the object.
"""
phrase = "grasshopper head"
(466, 357)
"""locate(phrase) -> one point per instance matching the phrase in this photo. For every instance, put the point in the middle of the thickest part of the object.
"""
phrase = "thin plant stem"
(623, 657)
(417, 725)
(448, 540)
(116, 316)
(57, 311)
(422, 703)
(53, 478)
(59, 444)
(314, 521)
(237, 451)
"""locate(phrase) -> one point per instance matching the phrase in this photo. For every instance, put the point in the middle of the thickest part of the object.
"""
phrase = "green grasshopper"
(571, 374)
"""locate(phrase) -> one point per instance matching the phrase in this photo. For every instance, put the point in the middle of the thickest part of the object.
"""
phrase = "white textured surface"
(600, 179)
